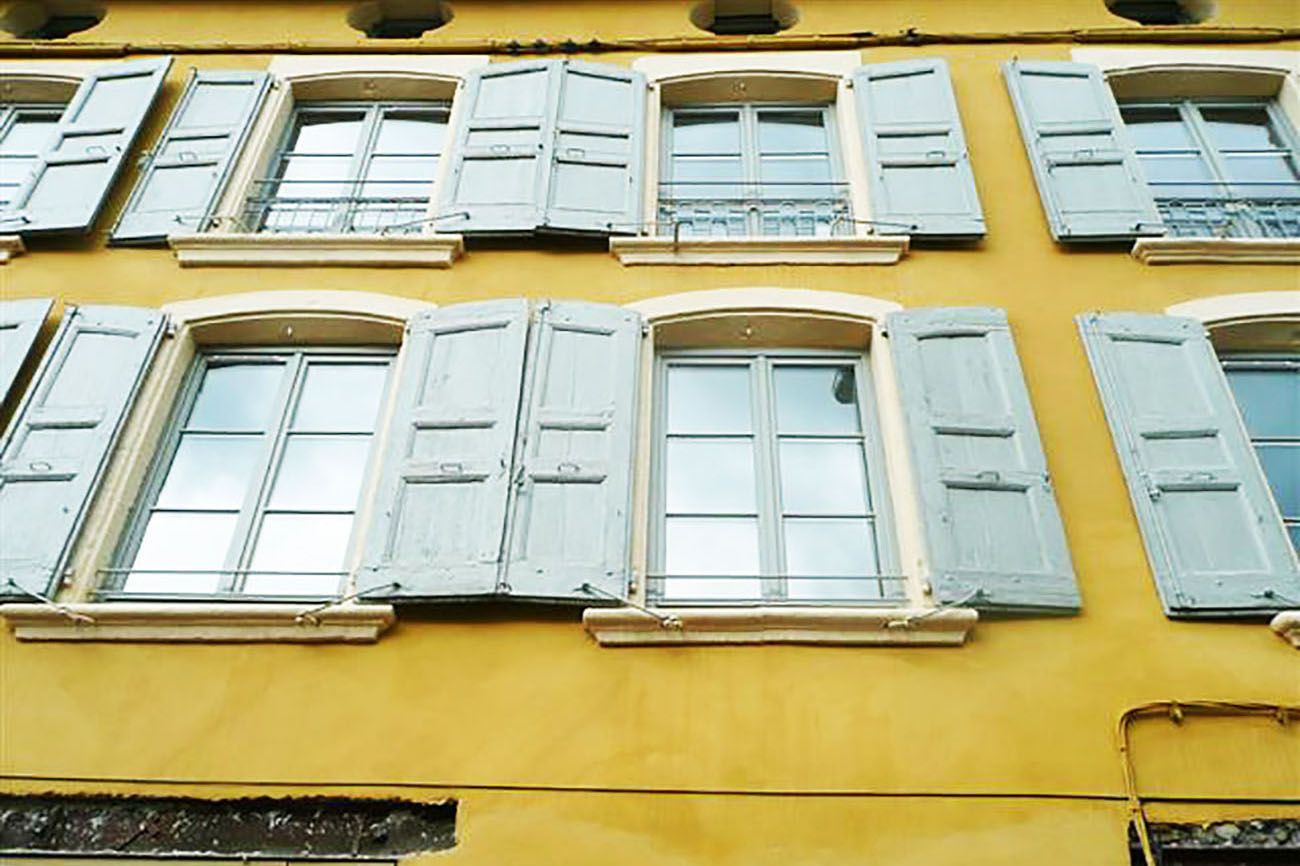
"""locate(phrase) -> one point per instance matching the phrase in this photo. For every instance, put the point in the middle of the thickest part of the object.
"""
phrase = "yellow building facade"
(632, 722)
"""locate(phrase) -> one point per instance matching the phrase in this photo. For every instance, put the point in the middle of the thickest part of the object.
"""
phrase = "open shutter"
(1087, 171)
(598, 152)
(20, 323)
(87, 149)
(571, 518)
(179, 186)
(992, 531)
(57, 448)
(1213, 535)
(921, 178)
(503, 144)
(439, 522)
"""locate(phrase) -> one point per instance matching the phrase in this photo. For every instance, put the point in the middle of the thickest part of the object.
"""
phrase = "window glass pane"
(712, 546)
(1179, 176)
(236, 397)
(1244, 128)
(823, 478)
(706, 133)
(306, 542)
(210, 472)
(340, 398)
(29, 135)
(1269, 400)
(327, 132)
(791, 132)
(1157, 129)
(804, 177)
(405, 177)
(702, 177)
(191, 542)
(1265, 176)
(411, 132)
(708, 399)
(816, 399)
(830, 549)
(710, 477)
(314, 177)
(1282, 467)
(321, 473)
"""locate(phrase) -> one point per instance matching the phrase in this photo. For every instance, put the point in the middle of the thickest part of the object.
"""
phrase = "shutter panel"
(598, 156)
(1087, 171)
(921, 176)
(1213, 536)
(991, 524)
(571, 518)
(178, 188)
(87, 149)
(20, 324)
(57, 449)
(503, 145)
(439, 521)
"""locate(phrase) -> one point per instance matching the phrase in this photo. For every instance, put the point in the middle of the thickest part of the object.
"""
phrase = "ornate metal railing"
(306, 207)
(805, 210)
(1231, 217)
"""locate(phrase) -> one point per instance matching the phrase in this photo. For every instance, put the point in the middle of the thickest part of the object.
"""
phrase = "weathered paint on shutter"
(20, 324)
(439, 520)
(185, 173)
(598, 151)
(1214, 539)
(57, 449)
(1087, 170)
(503, 148)
(571, 517)
(921, 178)
(87, 149)
(992, 530)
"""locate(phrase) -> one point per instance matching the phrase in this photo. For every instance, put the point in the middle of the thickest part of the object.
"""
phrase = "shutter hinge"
(645, 328)
(170, 329)
(1153, 490)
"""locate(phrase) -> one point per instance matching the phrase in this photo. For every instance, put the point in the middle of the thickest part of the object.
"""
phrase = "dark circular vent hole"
(398, 19)
(51, 19)
(744, 17)
(1156, 12)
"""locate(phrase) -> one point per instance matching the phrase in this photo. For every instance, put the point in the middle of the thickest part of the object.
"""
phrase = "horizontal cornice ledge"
(10, 246)
(216, 249)
(864, 250)
(843, 626)
(1287, 626)
(198, 622)
(1245, 251)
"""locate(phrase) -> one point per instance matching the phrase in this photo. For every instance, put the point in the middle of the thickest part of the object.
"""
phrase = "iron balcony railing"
(797, 209)
(320, 206)
(889, 590)
(1231, 217)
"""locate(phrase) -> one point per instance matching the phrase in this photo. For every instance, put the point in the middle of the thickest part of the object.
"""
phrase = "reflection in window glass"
(1267, 390)
(260, 485)
(763, 483)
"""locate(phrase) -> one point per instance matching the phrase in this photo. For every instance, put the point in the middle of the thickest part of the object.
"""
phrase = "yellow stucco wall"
(998, 752)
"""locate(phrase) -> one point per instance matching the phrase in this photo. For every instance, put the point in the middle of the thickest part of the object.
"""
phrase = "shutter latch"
(1153, 489)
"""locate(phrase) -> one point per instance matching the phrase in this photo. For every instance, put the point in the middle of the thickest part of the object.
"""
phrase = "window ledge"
(10, 246)
(1287, 626)
(323, 250)
(185, 622)
(866, 250)
(1246, 251)
(804, 625)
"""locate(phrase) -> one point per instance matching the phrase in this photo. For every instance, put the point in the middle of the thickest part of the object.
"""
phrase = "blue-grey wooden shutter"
(992, 531)
(598, 151)
(1214, 539)
(179, 187)
(56, 451)
(502, 149)
(87, 149)
(1087, 171)
(439, 520)
(20, 323)
(921, 178)
(571, 517)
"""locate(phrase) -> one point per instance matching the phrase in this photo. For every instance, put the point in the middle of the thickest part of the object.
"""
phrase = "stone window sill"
(10, 246)
(198, 622)
(1245, 251)
(802, 625)
(866, 250)
(323, 250)
(1287, 626)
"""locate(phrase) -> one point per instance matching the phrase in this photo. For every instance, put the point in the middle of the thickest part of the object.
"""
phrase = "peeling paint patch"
(297, 827)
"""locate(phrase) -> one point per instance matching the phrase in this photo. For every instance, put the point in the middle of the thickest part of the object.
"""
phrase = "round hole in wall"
(744, 17)
(398, 19)
(50, 19)
(1147, 12)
